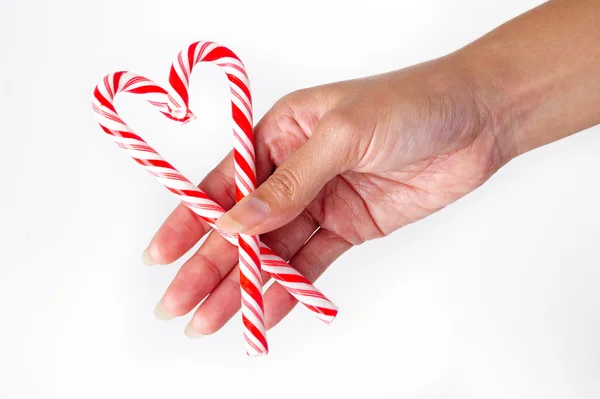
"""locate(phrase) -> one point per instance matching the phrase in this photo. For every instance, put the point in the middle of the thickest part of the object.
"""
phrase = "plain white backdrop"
(497, 296)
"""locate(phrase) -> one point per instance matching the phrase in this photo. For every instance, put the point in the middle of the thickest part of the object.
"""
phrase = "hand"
(352, 161)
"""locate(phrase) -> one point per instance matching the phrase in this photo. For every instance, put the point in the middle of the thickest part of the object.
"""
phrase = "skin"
(353, 161)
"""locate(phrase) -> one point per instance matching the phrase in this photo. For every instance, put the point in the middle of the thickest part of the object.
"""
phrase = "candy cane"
(175, 107)
(245, 174)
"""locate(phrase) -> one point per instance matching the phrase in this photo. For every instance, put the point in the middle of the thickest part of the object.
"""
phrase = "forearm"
(538, 76)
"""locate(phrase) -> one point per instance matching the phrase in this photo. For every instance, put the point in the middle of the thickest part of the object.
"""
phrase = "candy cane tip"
(329, 319)
(183, 115)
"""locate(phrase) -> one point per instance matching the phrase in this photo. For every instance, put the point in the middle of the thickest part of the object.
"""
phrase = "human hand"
(352, 161)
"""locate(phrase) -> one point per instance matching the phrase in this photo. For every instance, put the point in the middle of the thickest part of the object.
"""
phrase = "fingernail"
(247, 214)
(161, 313)
(147, 259)
(191, 333)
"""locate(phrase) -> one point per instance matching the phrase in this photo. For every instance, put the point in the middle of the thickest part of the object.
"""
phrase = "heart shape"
(253, 254)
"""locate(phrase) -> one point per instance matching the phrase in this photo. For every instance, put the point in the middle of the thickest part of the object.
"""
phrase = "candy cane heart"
(253, 255)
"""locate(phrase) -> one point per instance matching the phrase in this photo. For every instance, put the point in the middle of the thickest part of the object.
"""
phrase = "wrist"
(493, 107)
(503, 112)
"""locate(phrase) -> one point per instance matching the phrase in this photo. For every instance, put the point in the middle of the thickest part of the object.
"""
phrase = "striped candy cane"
(175, 106)
(245, 174)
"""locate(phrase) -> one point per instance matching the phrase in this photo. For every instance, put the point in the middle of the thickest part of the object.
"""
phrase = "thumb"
(293, 185)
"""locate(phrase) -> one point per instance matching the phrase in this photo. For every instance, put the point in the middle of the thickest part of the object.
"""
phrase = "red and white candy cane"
(245, 174)
(176, 107)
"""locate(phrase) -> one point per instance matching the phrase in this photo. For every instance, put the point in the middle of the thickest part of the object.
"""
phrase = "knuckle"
(224, 183)
(278, 245)
(339, 120)
(209, 267)
(285, 184)
(286, 104)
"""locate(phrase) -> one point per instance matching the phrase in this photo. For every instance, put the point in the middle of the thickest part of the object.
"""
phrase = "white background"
(494, 297)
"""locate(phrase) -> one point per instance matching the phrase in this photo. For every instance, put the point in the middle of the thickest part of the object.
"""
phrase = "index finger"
(183, 228)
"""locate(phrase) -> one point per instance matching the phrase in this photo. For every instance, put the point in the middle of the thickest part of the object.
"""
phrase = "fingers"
(224, 300)
(183, 228)
(220, 306)
(323, 248)
(199, 275)
(295, 183)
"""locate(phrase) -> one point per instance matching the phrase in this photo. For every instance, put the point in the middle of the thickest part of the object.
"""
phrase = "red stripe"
(249, 151)
(128, 135)
(239, 195)
(117, 80)
(242, 122)
(249, 341)
(157, 104)
(169, 176)
(231, 65)
(311, 293)
(102, 100)
(244, 245)
(275, 263)
(183, 70)
(174, 190)
(134, 80)
(205, 45)
(108, 115)
(121, 134)
(251, 268)
(241, 161)
(196, 194)
(191, 52)
(264, 250)
(243, 101)
(252, 290)
(178, 85)
(238, 82)
(290, 278)
(252, 344)
(159, 163)
(323, 311)
(220, 52)
(107, 86)
(147, 89)
(169, 116)
(252, 309)
(255, 331)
